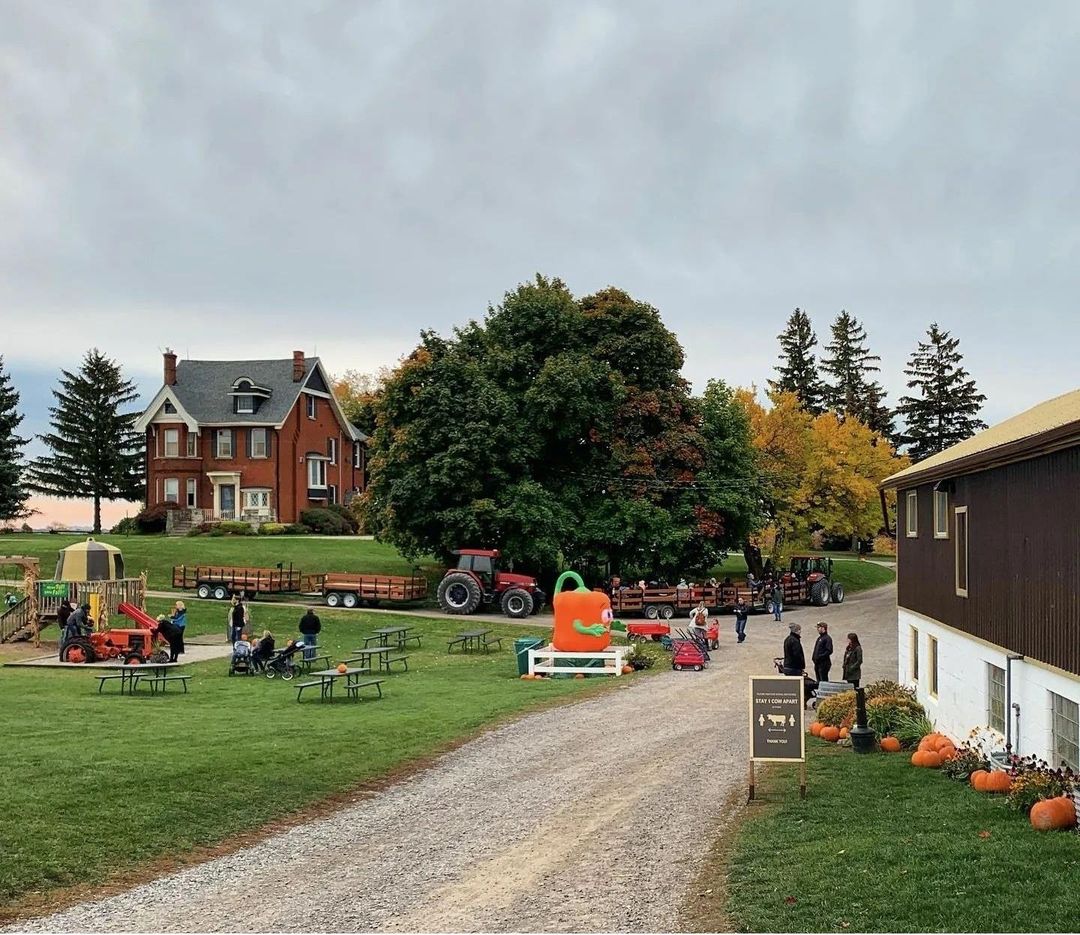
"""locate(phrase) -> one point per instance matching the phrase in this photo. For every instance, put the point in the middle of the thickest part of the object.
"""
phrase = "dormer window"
(245, 404)
(247, 396)
(169, 408)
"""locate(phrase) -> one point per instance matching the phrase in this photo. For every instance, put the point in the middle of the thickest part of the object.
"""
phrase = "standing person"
(238, 619)
(778, 602)
(310, 626)
(822, 654)
(179, 621)
(699, 621)
(62, 613)
(794, 659)
(741, 613)
(853, 660)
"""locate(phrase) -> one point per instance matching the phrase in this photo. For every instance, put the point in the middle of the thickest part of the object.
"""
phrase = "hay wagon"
(223, 581)
(353, 590)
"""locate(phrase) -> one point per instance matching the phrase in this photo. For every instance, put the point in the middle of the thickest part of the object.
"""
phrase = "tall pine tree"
(797, 370)
(96, 453)
(947, 406)
(852, 389)
(12, 492)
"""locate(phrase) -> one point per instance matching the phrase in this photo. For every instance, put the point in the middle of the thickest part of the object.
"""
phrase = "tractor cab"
(484, 563)
(477, 579)
(810, 567)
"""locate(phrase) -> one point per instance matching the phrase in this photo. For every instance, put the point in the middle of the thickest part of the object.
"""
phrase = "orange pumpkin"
(626, 670)
(342, 668)
(926, 744)
(583, 618)
(917, 757)
(815, 728)
(831, 734)
(890, 745)
(944, 742)
(1052, 814)
(996, 782)
(580, 675)
(932, 759)
(947, 753)
(977, 779)
(843, 733)
(526, 676)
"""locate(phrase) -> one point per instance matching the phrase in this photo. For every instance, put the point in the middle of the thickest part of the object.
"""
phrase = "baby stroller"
(810, 687)
(240, 663)
(283, 663)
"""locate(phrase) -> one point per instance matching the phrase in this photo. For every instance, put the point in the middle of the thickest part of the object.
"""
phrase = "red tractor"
(809, 580)
(478, 581)
(134, 646)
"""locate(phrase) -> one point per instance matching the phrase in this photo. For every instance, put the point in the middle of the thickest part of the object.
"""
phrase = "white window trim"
(911, 516)
(913, 653)
(312, 460)
(240, 408)
(265, 444)
(245, 498)
(356, 455)
(933, 661)
(312, 406)
(962, 592)
(333, 450)
(218, 436)
(192, 443)
(176, 443)
(165, 490)
(191, 493)
(943, 497)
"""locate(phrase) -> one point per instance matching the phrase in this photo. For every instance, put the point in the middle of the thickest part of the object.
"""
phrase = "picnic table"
(400, 634)
(156, 673)
(382, 653)
(473, 639)
(306, 663)
(352, 682)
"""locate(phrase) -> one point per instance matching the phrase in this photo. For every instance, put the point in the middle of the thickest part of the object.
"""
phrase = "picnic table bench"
(474, 639)
(382, 655)
(306, 665)
(401, 635)
(129, 676)
(352, 682)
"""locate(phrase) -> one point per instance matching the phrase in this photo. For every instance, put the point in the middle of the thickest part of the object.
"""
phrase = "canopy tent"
(90, 561)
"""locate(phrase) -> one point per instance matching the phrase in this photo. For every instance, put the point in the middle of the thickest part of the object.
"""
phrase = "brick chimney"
(297, 366)
(170, 367)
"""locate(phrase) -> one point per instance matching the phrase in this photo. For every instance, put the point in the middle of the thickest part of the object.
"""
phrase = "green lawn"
(96, 784)
(880, 846)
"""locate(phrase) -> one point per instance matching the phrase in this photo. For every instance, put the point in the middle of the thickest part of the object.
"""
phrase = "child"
(264, 649)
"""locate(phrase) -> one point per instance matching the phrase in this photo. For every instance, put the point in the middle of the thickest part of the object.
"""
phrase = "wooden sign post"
(776, 724)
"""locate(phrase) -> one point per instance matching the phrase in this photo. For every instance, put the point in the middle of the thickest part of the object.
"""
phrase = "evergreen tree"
(12, 492)
(96, 453)
(797, 369)
(852, 389)
(947, 406)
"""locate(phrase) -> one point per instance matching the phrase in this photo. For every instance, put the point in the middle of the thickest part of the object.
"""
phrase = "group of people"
(75, 622)
(795, 659)
(239, 626)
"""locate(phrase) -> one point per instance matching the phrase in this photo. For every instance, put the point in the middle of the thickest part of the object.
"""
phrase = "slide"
(141, 617)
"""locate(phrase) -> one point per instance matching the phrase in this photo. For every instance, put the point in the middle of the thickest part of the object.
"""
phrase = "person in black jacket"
(794, 660)
(310, 625)
(822, 654)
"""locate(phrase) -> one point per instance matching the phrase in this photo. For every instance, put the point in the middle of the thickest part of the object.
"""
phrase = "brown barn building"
(256, 440)
(988, 586)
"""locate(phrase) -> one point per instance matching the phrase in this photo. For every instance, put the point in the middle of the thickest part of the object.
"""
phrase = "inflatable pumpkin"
(583, 618)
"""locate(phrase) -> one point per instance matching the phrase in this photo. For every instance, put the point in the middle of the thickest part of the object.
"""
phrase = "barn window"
(1066, 732)
(911, 514)
(933, 667)
(995, 698)
(961, 519)
(941, 514)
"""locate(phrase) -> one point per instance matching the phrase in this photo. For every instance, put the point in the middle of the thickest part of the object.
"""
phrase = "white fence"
(614, 659)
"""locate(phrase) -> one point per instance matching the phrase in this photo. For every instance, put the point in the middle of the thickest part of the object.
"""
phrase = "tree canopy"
(13, 494)
(851, 389)
(797, 371)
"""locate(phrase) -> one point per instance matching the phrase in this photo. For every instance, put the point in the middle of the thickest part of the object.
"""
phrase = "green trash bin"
(522, 647)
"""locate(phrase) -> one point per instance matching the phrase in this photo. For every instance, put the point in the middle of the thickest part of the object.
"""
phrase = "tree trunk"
(97, 515)
(855, 543)
(752, 554)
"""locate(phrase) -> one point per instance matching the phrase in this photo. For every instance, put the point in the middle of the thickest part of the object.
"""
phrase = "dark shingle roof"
(203, 387)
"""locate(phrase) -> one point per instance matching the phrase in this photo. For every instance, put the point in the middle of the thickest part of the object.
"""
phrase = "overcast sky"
(245, 178)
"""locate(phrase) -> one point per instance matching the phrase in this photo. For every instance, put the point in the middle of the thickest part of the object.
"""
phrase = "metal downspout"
(1009, 739)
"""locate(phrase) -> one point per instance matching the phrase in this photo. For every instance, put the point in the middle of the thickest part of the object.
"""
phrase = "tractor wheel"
(837, 593)
(133, 659)
(78, 650)
(819, 593)
(459, 593)
(350, 600)
(770, 607)
(333, 599)
(517, 603)
(159, 656)
(666, 611)
(652, 612)
(203, 591)
(221, 593)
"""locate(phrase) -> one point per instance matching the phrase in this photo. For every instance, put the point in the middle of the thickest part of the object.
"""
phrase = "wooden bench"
(157, 680)
(491, 642)
(102, 679)
(302, 685)
(461, 641)
(354, 688)
(308, 664)
(403, 659)
(410, 636)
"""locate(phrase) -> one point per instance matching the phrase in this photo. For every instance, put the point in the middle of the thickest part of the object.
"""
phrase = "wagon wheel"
(677, 666)
(333, 599)
(220, 593)
(350, 600)
(203, 591)
(652, 612)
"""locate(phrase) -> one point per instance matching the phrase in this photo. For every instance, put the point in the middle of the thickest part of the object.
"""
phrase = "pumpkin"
(926, 744)
(626, 670)
(932, 759)
(580, 675)
(943, 743)
(830, 734)
(977, 779)
(917, 757)
(844, 733)
(890, 745)
(583, 618)
(526, 676)
(947, 753)
(997, 781)
(1051, 814)
(815, 728)
(342, 668)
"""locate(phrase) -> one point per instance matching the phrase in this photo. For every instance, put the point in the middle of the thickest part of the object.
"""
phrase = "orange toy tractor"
(134, 646)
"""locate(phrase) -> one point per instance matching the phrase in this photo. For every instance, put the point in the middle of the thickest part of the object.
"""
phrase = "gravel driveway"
(583, 818)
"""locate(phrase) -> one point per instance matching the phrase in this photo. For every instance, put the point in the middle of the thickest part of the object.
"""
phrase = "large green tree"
(851, 389)
(558, 430)
(797, 371)
(12, 492)
(947, 405)
(95, 451)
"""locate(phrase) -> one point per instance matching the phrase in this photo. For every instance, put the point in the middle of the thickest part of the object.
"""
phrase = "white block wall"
(963, 684)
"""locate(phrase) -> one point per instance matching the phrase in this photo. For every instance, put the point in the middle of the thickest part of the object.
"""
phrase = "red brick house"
(259, 440)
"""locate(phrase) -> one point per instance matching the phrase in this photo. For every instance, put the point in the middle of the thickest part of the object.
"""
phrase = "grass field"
(98, 784)
(880, 846)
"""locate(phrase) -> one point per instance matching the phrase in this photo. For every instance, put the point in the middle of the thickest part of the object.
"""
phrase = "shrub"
(152, 519)
(884, 545)
(26, 527)
(1035, 780)
(297, 529)
(272, 529)
(911, 728)
(966, 761)
(888, 688)
(885, 713)
(7, 531)
(125, 527)
(325, 522)
(235, 527)
(833, 710)
(643, 655)
(346, 515)
(215, 531)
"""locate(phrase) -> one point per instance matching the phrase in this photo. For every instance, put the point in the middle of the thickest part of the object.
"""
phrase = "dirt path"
(590, 817)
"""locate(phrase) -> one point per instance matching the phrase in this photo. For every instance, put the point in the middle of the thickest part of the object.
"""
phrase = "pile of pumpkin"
(825, 732)
(934, 749)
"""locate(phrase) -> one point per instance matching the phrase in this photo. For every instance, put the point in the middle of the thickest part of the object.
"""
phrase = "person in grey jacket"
(822, 654)
(853, 660)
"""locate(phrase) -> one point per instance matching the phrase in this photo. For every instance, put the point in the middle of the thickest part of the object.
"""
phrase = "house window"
(224, 443)
(941, 514)
(169, 408)
(933, 666)
(316, 472)
(172, 490)
(331, 450)
(961, 519)
(332, 495)
(245, 404)
(172, 443)
(914, 654)
(911, 514)
(191, 442)
(995, 698)
(1066, 732)
(356, 455)
(257, 438)
(256, 501)
(192, 491)
(312, 407)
